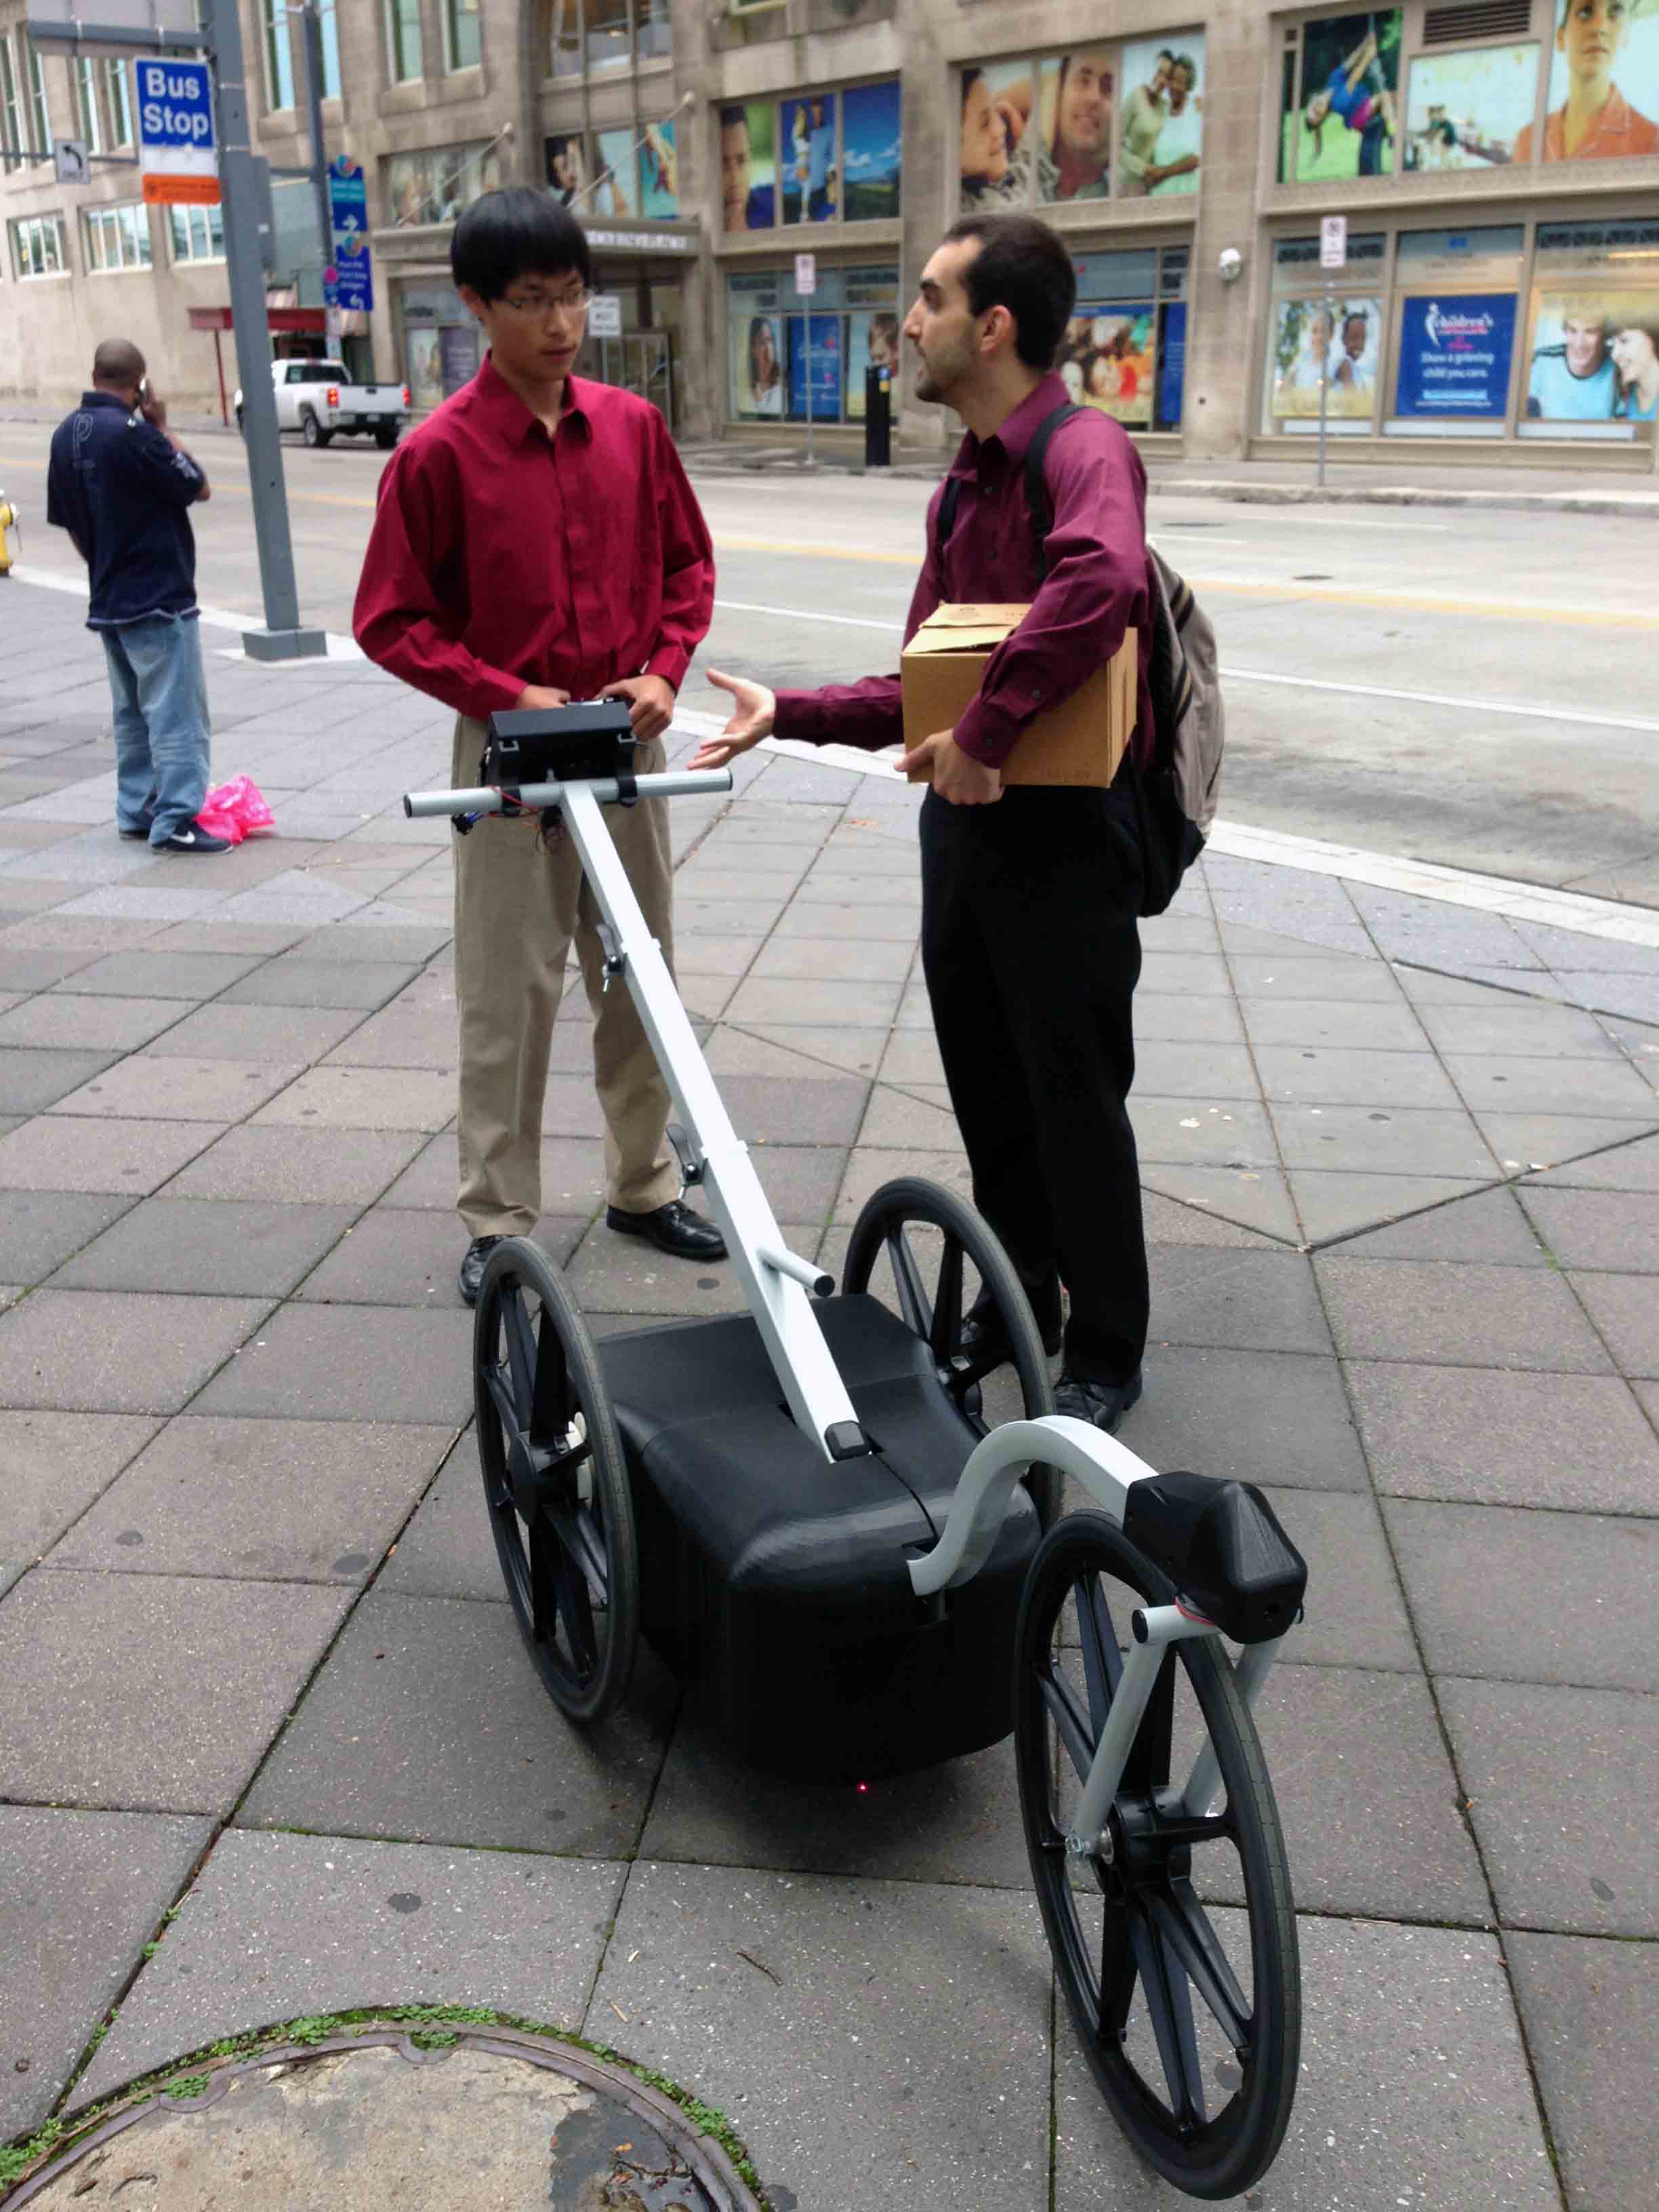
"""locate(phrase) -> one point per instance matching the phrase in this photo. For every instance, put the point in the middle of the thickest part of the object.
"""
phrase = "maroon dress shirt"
(1095, 590)
(501, 556)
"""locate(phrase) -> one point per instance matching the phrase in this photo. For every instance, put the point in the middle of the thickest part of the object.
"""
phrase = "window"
(460, 34)
(1102, 122)
(86, 99)
(776, 357)
(279, 56)
(605, 41)
(120, 107)
(330, 28)
(403, 20)
(435, 185)
(199, 233)
(1593, 340)
(1125, 349)
(11, 105)
(39, 247)
(1326, 336)
(653, 32)
(1339, 115)
(37, 84)
(116, 237)
(819, 157)
(564, 40)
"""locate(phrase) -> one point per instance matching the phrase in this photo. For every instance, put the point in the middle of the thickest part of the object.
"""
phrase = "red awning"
(307, 319)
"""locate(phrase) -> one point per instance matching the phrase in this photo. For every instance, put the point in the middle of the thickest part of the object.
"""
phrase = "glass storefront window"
(1592, 368)
(442, 344)
(854, 323)
(1097, 122)
(605, 35)
(435, 185)
(824, 155)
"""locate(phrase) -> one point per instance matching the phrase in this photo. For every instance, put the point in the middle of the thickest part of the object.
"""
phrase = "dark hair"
(516, 232)
(970, 77)
(756, 324)
(1026, 267)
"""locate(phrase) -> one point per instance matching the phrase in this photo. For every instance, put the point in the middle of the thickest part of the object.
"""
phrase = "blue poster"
(826, 368)
(1455, 355)
(352, 283)
(1172, 366)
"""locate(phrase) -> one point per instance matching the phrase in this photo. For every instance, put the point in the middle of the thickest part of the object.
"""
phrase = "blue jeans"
(160, 723)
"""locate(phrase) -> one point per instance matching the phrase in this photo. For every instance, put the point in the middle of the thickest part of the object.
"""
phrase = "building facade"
(1496, 161)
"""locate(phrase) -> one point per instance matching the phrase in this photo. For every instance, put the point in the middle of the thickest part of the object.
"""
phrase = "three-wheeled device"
(806, 1511)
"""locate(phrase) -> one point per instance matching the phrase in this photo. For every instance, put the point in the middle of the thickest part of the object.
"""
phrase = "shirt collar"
(104, 399)
(506, 415)
(1014, 436)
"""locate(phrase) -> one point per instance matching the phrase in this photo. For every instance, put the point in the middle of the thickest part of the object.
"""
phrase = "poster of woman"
(1467, 110)
(566, 169)
(1345, 120)
(755, 364)
(1160, 143)
(1594, 358)
(1604, 83)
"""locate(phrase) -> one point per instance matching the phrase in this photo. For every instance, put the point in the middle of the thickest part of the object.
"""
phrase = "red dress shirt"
(501, 556)
(1095, 590)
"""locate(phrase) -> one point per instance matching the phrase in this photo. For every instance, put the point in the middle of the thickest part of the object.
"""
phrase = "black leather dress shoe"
(471, 1278)
(1103, 1405)
(985, 1340)
(672, 1228)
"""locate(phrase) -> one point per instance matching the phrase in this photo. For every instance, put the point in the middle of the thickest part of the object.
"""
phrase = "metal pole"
(809, 382)
(283, 637)
(311, 19)
(1325, 377)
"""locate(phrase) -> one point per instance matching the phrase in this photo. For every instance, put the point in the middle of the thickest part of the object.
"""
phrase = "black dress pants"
(1031, 950)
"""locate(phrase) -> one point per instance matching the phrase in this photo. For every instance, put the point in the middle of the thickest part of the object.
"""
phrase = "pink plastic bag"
(234, 809)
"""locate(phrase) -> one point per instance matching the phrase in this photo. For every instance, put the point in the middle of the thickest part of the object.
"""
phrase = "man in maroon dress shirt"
(535, 541)
(1030, 894)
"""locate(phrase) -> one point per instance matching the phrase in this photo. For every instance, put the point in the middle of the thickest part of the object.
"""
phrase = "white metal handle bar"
(671, 783)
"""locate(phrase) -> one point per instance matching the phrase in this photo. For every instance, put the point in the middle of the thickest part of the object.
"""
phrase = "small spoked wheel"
(555, 1482)
(926, 1252)
(1174, 1938)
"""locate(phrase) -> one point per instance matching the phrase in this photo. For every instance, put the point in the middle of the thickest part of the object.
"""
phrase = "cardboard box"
(1081, 741)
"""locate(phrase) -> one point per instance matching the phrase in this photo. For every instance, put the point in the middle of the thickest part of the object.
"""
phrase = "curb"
(1644, 506)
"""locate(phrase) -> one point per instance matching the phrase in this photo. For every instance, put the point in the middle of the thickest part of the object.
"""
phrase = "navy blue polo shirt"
(123, 492)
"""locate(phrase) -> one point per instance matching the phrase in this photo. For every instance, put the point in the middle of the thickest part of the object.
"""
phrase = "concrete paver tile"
(1580, 1593)
(269, 1035)
(1500, 1084)
(1167, 1221)
(1178, 1020)
(825, 1047)
(903, 1121)
(339, 1363)
(922, 2008)
(1379, 1139)
(1202, 975)
(1355, 1615)
(1525, 1029)
(83, 1892)
(291, 980)
(414, 1673)
(1488, 1226)
(1180, 1132)
(300, 1167)
(619, 1274)
(1561, 1783)
(85, 1024)
(1331, 1024)
(1626, 1312)
(1355, 982)
(233, 1249)
(1591, 2009)
(1612, 1231)
(178, 1089)
(32, 1079)
(150, 1693)
(1546, 1140)
(277, 1927)
(1578, 1442)
(1256, 1198)
(52, 1466)
(1268, 1417)
(171, 975)
(1441, 1312)
(1335, 1203)
(271, 1501)
(39, 1229)
(1244, 1301)
(337, 1097)
(117, 1351)
(1413, 2089)
(38, 967)
(862, 1004)
(868, 1166)
(447, 1549)
(1306, 1075)
(408, 1257)
(70, 1152)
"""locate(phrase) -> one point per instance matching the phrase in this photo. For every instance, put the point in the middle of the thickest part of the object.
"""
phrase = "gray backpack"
(1175, 794)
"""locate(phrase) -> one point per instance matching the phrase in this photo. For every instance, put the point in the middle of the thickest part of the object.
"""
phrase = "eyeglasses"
(548, 306)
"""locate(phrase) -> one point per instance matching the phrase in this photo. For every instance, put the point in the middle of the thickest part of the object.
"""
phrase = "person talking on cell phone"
(122, 485)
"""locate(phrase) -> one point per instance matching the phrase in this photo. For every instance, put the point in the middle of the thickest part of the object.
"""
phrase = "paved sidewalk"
(269, 1745)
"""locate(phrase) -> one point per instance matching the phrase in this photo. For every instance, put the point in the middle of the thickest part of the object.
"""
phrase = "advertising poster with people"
(1106, 361)
(1336, 345)
(434, 186)
(615, 186)
(873, 145)
(996, 137)
(810, 180)
(1342, 117)
(1160, 141)
(1069, 145)
(748, 173)
(1455, 355)
(1595, 359)
(823, 364)
(566, 169)
(754, 340)
(1604, 83)
(1468, 110)
(872, 341)
(659, 173)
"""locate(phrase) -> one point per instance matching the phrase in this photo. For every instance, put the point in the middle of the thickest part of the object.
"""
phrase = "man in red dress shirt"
(1030, 941)
(535, 541)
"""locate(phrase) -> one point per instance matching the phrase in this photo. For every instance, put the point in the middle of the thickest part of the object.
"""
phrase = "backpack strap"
(1036, 483)
(947, 519)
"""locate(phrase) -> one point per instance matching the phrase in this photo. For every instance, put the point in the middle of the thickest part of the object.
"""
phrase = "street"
(1472, 687)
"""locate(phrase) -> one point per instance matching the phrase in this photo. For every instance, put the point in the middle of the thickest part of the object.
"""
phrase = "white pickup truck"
(316, 398)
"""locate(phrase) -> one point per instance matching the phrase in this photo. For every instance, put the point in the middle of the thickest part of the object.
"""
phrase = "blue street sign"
(352, 281)
(176, 156)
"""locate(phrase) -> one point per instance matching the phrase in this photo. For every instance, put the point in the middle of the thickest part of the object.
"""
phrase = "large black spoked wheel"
(555, 1482)
(926, 1252)
(1173, 1940)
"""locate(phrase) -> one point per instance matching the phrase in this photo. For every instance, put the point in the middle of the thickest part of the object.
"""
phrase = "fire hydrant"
(7, 524)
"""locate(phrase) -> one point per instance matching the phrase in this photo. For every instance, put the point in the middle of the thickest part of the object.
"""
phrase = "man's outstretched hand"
(751, 720)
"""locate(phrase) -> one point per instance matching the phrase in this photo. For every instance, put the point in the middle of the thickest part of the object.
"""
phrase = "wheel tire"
(880, 1225)
(386, 439)
(555, 1483)
(1145, 1888)
(313, 431)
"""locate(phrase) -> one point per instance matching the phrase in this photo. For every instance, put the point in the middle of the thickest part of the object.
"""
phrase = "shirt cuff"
(670, 663)
(491, 691)
(987, 733)
(799, 715)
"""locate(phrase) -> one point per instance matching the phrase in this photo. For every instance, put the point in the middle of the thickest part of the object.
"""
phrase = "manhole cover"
(367, 2121)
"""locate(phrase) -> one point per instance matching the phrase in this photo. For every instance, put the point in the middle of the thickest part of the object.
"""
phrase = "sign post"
(1332, 254)
(806, 283)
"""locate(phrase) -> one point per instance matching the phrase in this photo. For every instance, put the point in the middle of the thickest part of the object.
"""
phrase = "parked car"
(318, 399)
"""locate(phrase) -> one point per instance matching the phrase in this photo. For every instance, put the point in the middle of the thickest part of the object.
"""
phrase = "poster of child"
(1604, 83)
(1337, 345)
(1106, 361)
(872, 341)
(1342, 119)
(1466, 111)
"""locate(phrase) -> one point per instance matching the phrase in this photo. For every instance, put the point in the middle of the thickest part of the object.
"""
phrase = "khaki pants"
(517, 908)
